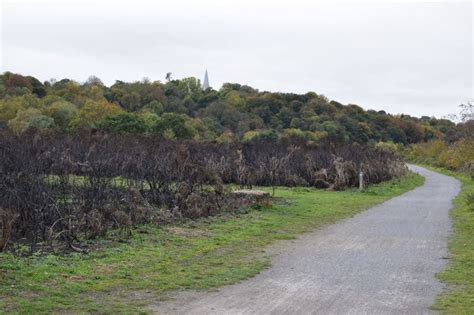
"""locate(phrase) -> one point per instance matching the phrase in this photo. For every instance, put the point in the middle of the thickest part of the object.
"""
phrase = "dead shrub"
(7, 218)
(63, 187)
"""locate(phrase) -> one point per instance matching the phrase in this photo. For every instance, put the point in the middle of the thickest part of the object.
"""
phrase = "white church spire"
(205, 84)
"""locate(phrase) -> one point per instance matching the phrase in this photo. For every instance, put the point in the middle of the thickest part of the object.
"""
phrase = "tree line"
(181, 109)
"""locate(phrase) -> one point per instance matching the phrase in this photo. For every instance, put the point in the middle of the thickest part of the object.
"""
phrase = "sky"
(413, 57)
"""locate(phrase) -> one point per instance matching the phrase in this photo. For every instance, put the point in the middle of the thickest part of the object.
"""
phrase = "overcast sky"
(404, 57)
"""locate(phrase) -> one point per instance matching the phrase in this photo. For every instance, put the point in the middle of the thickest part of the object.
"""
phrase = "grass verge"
(198, 254)
(458, 296)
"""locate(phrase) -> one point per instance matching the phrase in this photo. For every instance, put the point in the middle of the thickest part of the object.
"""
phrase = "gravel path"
(382, 260)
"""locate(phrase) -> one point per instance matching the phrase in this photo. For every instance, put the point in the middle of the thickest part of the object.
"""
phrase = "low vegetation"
(457, 156)
(199, 254)
(60, 188)
(455, 152)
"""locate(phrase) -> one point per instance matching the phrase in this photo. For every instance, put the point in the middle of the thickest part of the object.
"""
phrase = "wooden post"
(361, 181)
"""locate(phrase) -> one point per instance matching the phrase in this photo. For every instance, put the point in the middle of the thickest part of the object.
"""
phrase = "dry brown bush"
(7, 219)
(63, 187)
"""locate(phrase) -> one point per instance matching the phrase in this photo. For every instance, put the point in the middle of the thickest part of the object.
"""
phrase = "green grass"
(458, 296)
(81, 181)
(198, 254)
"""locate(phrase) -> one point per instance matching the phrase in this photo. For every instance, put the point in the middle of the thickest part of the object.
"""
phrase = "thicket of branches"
(61, 188)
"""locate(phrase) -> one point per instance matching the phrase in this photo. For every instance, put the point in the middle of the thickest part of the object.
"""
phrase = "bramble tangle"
(62, 188)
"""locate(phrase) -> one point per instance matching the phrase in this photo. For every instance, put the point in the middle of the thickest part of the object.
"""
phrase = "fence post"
(361, 181)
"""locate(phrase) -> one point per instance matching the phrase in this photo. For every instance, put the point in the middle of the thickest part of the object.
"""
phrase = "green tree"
(233, 98)
(126, 122)
(266, 135)
(150, 119)
(37, 87)
(93, 112)
(154, 107)
(177, 124)
(10, 106)
(29, 118)
(62, 113)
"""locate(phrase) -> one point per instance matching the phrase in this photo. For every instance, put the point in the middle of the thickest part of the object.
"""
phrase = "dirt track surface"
(383, 260)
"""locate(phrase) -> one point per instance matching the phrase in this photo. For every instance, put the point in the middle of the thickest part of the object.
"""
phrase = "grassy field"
(125, 277)
(458, 297)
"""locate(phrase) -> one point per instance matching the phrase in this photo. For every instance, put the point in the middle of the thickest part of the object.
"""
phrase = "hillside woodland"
(180, 109)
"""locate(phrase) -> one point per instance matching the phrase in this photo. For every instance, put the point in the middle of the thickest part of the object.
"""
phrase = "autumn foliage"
(181, 109)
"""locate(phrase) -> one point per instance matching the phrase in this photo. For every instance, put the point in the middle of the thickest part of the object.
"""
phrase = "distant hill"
(182, 109)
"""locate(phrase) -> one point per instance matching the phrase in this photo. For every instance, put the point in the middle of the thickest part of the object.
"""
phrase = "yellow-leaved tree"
(94, 111)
